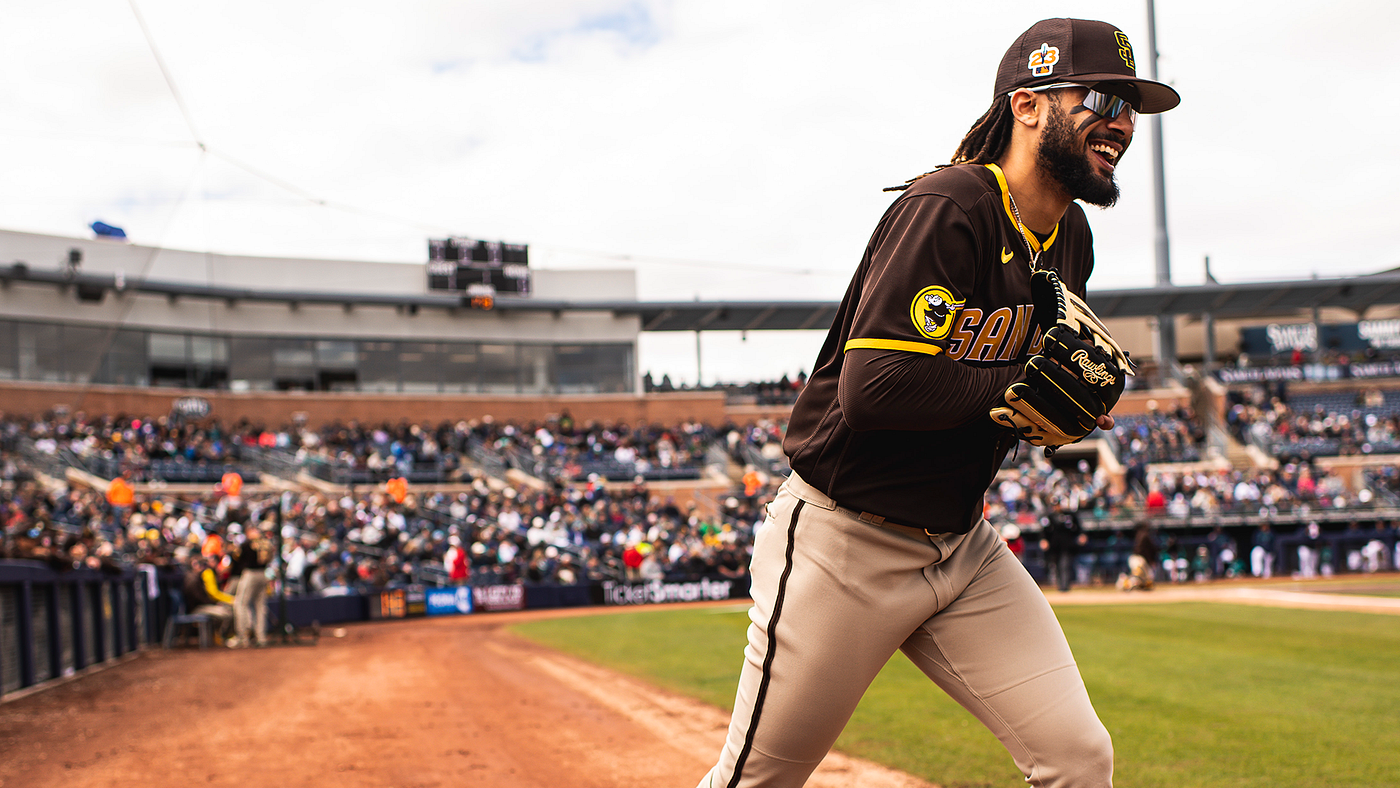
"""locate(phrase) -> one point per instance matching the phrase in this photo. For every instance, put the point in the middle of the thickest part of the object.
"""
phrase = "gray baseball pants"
(250, 605)
(835, 596)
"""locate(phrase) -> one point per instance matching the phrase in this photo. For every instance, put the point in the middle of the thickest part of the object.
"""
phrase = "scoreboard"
(478, 268)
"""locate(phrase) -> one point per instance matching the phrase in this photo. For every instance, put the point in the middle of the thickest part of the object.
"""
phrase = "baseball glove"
(1077, 376)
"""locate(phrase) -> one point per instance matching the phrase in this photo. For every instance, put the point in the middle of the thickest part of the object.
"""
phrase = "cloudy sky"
(722, 149)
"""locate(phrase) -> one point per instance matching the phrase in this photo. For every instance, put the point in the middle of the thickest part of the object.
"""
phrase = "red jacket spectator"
(1156, 501)
(455, 561)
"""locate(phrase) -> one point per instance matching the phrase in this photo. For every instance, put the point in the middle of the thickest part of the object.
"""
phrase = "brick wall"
(277, 408)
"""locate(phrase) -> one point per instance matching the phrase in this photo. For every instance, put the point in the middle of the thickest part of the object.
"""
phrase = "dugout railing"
(55, 624)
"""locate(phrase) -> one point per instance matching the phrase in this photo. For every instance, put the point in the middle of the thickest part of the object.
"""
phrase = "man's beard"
(1061, 156)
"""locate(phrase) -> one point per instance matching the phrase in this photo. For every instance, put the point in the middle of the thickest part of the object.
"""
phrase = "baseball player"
(962, 331)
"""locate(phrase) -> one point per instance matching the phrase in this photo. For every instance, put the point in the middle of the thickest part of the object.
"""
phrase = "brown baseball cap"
(1081, 51)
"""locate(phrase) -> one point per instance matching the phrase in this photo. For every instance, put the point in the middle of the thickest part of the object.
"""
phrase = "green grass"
(1194, 694)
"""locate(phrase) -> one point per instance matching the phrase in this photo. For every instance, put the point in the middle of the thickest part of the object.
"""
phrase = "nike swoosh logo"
(1006, 256)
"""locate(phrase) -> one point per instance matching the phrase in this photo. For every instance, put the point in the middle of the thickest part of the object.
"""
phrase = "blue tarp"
(104, 230)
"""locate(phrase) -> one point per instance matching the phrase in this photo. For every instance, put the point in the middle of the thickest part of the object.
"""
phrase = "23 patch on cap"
(1042, 61)
(933, 311)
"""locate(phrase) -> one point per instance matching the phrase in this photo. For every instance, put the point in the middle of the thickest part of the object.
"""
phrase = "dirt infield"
(1321, 594)
(433, 702)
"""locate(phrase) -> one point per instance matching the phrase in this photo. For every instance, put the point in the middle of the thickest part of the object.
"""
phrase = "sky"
(721, 149)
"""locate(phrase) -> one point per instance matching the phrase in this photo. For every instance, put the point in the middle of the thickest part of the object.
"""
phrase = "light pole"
(1166, 323)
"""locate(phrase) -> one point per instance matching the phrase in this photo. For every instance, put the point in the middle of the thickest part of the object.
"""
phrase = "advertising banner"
(449, 601)
(1259, 374)
(659, 592)
(493, 598)
(1283, 338)
(1357, 370)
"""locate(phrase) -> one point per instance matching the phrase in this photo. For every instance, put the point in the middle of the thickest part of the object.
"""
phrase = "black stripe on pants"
(772, 648)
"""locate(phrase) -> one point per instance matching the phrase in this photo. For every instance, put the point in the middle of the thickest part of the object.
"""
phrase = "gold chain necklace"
(1021, 228)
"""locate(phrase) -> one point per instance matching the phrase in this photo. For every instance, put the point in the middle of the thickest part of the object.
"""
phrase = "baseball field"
(1221, 685)
(1194, 692)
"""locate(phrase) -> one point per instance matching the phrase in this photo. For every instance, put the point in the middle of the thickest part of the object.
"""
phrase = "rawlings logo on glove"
(1077, 377)
(1093, 373)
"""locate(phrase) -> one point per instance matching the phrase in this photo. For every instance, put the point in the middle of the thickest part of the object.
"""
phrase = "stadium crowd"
(354, 542)
(1359, 421)
(592, 515)
(1157, 437)
(783, 391)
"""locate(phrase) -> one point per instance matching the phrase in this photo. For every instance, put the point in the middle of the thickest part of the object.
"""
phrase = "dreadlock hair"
(984, 143)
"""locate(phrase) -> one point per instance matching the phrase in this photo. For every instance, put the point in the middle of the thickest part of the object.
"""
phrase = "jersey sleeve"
(922, 265)
(212, 586)
(895, 390)
(895, 373)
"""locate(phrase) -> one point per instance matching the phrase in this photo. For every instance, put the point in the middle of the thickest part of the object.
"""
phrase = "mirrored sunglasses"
(1105, 105)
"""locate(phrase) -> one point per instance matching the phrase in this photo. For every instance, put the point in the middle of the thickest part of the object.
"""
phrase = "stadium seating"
(574, 528)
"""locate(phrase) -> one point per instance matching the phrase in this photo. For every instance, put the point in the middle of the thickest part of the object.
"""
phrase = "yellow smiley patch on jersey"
(933, 311)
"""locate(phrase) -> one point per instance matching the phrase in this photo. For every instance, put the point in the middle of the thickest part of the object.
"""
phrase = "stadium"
(521, 433)
(488, 544)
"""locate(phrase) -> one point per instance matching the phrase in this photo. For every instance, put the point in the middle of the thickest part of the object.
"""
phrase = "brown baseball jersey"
(936, 322)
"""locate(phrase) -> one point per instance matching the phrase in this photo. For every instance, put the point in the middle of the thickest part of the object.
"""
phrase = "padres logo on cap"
(1125, 50)
(933, 310)
(1043, 60)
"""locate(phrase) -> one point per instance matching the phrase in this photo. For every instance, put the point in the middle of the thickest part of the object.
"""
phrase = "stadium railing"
(56, 624)
(274, 462)
(749, 454)
(491, 463)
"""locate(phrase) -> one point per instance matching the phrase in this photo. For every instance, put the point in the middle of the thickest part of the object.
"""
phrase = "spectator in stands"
(359, 539)
(731, 563)
(456, 563)
(1011, 534)
(1156, 500)
(297, 558)
(651, 568)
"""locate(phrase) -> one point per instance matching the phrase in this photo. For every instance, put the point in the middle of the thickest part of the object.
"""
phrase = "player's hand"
(1075, 380)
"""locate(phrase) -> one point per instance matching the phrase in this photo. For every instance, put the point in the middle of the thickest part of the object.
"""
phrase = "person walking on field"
(962, 332)
(250, 600)
(1061, 542)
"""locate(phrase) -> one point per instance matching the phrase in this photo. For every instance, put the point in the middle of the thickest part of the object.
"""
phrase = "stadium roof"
(1242, 300)
(1261, 300)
